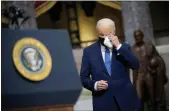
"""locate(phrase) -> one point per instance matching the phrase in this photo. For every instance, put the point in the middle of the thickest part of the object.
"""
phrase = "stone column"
(29, 8)
(136, 15)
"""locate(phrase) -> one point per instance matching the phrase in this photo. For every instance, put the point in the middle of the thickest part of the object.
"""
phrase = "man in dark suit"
(103, 71)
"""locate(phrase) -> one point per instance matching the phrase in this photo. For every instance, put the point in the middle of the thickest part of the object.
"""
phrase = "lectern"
(38, 71)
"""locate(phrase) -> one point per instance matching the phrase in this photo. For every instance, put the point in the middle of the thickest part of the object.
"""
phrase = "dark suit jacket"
(119, 84)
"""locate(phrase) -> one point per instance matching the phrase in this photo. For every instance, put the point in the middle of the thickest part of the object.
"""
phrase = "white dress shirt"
(103, 55)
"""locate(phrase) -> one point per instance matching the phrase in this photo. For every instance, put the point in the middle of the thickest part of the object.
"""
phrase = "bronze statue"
(150, 78)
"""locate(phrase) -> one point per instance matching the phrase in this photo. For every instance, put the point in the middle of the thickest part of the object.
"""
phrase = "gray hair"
(107, 22)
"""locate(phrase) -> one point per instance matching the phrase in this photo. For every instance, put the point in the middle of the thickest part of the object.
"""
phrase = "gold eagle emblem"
(32, 59)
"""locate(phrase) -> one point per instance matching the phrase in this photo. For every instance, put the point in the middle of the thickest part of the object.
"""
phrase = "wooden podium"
(58, 92)
(46, 108)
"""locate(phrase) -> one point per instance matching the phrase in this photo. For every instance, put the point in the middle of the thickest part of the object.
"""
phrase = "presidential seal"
(32, 59)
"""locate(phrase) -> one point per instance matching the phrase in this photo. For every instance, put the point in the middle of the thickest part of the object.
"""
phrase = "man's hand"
(102, 85)
(114, 39)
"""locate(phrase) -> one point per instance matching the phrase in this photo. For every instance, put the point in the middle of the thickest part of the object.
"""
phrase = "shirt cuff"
(95, 86)
(119, 46)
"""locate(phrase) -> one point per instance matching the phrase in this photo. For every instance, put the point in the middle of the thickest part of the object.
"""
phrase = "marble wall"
(136, 15)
